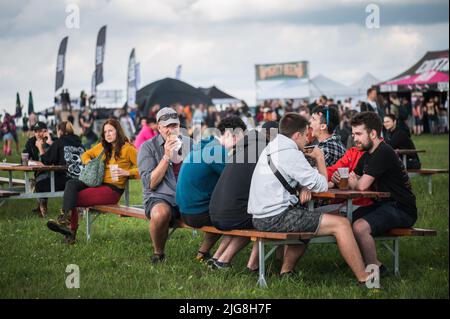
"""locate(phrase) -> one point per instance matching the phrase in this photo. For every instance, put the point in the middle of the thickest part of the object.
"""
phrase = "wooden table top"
(335, 193)
(34, 168)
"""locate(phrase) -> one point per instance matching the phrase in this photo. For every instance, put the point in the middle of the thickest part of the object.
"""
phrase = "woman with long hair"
(120, 158)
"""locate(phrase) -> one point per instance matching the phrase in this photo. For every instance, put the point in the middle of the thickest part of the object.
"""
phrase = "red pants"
(102, 195)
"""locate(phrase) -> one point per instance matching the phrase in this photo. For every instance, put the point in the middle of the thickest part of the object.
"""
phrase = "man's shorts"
(295, 219)
(383, 216)
(153, 201)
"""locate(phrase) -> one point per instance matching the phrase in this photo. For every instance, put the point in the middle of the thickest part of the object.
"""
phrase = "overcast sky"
(218, 42)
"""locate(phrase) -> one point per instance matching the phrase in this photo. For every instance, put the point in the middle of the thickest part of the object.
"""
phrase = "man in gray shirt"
(159, 162)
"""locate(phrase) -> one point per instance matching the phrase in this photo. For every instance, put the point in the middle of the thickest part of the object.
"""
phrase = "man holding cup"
(159, 162)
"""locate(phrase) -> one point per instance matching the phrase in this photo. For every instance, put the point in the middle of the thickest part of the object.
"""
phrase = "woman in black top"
(66, 150)
(399, 139)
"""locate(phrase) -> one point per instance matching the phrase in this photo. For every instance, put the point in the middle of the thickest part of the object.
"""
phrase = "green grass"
(115, 263)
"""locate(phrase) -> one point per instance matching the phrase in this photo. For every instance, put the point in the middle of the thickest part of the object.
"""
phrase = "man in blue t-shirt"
(379, 169)
(199, 174)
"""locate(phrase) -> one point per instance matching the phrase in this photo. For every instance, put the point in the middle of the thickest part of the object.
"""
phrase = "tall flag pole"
(131, 80)
(60, 64)
(100, 55)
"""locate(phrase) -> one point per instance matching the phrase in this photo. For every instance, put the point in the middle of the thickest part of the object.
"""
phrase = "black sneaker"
(157, 258)
(61, 224)
(287, 274)
(383, 271)
(220, 265)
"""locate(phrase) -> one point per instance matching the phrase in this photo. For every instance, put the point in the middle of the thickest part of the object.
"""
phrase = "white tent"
(321, 85)
(360, 86)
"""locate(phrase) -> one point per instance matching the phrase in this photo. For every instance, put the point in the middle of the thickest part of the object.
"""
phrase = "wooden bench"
(264, 238)
(429, 172)
(15, 181)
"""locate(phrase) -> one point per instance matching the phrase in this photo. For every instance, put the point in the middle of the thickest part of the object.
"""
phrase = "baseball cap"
(167, 116)
(39, 126)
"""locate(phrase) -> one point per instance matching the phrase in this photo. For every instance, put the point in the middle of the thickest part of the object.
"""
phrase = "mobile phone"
(309, 147)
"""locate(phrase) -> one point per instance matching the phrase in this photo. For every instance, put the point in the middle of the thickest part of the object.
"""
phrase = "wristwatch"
(167, 158)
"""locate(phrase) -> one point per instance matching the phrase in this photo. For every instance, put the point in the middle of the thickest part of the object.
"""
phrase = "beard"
(366, 147)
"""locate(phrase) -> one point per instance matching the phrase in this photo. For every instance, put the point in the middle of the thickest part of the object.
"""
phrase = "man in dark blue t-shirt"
(381, 170)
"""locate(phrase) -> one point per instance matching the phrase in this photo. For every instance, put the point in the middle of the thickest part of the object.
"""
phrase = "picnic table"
(31, 169)
(404, 154)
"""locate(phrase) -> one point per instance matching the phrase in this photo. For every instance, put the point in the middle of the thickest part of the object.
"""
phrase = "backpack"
(94, 171)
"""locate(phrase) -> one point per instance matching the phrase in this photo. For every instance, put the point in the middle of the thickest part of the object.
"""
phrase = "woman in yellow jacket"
(120, 158)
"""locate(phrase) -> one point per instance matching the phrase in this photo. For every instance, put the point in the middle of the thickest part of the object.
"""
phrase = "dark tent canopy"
(214, 93)
(168, 91)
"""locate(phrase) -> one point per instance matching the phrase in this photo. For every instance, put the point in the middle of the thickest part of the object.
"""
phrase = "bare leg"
(362, 231)
(236, 244)
(208, 242)
(340, 228)
(291, 255)
(253, 262)
(223, 245)
(159, 226)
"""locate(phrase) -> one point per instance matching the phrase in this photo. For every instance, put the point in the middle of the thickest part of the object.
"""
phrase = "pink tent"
(429, 74)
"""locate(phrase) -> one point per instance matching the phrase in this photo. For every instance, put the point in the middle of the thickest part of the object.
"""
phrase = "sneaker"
(61, 224)
(157, 258)
(68, 239)
(287, 274)
(203, 257)
(220, 265)
(383, 271)
(211, 261)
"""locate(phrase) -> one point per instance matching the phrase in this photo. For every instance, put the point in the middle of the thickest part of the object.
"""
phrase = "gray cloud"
(215, 45)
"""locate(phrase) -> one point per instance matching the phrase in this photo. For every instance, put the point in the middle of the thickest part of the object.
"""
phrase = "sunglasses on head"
(166, 117)
(327, 114)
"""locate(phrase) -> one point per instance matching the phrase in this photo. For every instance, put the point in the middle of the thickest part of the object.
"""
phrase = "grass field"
(115, 263)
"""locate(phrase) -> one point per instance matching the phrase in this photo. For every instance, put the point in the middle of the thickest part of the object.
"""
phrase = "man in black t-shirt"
(379, 169)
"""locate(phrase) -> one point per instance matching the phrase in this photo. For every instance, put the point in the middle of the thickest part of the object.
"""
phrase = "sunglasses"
(327, 115)
(166, 117)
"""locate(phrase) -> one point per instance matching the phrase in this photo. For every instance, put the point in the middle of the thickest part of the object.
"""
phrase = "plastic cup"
(343, 174)
(113, 169)
(24, 157)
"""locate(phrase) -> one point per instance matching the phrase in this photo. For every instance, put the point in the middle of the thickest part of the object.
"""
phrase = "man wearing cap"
(35, 147)
(159, 162)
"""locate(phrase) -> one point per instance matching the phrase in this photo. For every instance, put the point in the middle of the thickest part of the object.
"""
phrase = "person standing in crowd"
(372, 104)
(382, 170)
(65, 151)
(323, 122)
(229, 200)
(32, 119)
(7, 127)
(159, 163)
(116, 150)
(433, 112)
(87, 128)
(442, 115)
(273, 204)
(417, 114)
(149, 129)
(199, 174)
(127, 124)
(399, 139)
